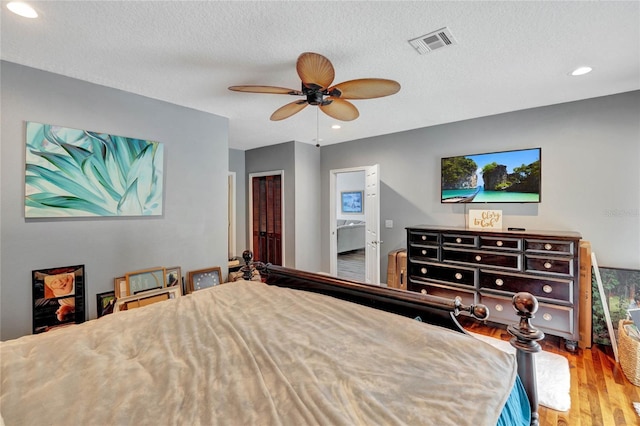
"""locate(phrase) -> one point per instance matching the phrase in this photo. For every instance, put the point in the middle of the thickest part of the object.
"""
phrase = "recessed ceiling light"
(22, 9)
(581, 71)
(336, 126)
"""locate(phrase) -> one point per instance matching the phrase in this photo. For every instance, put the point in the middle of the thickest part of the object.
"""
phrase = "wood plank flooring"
(351, 265)
(601, 395)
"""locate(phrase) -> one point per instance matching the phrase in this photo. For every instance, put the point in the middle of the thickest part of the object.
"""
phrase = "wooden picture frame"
(120, 287)
(174, 278)
(204, 278)
(105, 303)
(58, 297)
(145, 280)
(147, 298)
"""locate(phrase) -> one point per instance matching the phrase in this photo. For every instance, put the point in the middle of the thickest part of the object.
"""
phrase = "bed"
(298, 349)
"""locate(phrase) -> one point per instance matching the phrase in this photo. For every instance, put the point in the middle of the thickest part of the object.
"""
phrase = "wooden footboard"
(427, 308)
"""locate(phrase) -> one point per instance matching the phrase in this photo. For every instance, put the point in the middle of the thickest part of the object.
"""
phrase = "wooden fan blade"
(315, 70)
(340, 109)
(365, 88)
(288, 110)
(266, 89)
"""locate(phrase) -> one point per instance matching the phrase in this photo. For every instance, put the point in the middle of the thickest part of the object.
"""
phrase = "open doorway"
(355, 224)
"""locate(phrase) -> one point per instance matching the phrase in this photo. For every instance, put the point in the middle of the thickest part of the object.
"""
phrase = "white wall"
(590, 173)
(192, 233)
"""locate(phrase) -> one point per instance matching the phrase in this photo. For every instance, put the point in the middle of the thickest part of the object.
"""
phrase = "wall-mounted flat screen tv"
(496, 177)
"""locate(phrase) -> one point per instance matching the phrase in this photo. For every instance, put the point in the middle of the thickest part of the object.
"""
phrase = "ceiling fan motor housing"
(315, 97)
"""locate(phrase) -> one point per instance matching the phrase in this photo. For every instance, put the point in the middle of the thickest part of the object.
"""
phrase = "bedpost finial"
(480, 311)
(525, 304)
(247, 256)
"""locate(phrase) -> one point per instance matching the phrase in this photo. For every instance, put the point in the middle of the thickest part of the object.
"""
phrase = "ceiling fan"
(317, 74)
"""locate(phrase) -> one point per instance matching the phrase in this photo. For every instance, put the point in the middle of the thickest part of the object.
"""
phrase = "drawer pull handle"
(423, 270)
(423, 291)
(458, 240)
(499, 243)
(499, 308)
(548, 246)
(499, 282)
(547, 265)
(478, 258)
(458, 276)
(424, 238)
(424, 252)
(547, 317)
(547, 289)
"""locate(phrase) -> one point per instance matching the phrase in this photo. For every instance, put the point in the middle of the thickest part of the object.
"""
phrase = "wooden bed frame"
(427, 308)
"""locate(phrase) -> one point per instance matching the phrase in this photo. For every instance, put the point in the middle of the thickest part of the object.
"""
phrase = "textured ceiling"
(509, 56)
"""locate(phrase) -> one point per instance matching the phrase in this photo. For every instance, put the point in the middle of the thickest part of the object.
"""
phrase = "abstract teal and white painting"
(79, 173)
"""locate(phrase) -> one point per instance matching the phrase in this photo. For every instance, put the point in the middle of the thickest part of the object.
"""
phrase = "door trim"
(282, 209)
(231, 197)
(333, 235)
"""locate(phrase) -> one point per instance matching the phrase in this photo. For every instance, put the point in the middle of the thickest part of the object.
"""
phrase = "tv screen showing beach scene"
(497, 177)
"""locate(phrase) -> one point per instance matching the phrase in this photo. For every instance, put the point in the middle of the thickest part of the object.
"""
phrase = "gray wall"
(300, 164)
(307, 207)
(590, 173)
(192, 232)
(275, 158)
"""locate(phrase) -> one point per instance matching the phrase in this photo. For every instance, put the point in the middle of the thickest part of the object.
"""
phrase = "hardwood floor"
(351, 265)
(601, 395)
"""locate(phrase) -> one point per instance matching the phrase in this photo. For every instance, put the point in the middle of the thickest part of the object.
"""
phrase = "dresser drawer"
(556, 320)
(468, 297)
(555, 290)
(549, 246)
(512, 261)
(549, 265)
(501, 243)
(460, 240)
(420, 252)
(418, 237)
(443, 273)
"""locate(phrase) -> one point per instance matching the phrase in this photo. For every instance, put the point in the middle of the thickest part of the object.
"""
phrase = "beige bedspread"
(250, 354)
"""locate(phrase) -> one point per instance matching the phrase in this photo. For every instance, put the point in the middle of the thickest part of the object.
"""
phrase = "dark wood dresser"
(489, 267)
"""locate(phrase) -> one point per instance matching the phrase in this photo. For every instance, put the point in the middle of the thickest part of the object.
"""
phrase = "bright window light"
(22, 9)
(581, 71)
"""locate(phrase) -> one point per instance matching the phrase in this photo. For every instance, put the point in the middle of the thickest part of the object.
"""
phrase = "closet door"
(267, 219)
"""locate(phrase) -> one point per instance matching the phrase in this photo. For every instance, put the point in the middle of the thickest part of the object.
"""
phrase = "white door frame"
(282, 210)
(231, 197)
(372, 225)
(333, 235)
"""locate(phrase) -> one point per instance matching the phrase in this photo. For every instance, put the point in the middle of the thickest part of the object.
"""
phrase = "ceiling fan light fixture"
(336, 127)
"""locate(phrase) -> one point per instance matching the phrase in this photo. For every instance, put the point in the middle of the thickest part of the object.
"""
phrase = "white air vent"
(432, 41)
